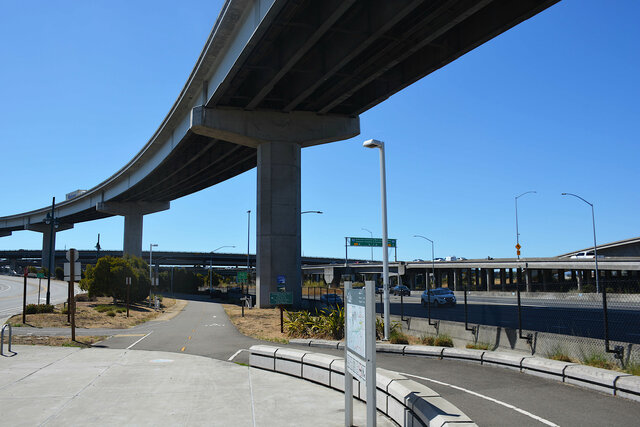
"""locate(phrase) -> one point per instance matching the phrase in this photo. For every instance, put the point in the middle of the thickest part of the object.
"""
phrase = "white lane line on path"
(128, 348)
(235, 354)
(491, 399)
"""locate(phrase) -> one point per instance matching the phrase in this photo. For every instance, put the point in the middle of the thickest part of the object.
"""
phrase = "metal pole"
(348, 378)
(346, 253)
(71, 306)
(24, 298)
(51, 249)
(385, 247)
(517, 233)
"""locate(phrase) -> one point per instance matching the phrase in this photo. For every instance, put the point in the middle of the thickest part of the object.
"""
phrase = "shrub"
(102, 308)
(327, 324)
(632, 368)
(111, 314)
(39, 308)
(394, 327)
(107, 278)
(428, 339)
(443, 341)
(397, 337)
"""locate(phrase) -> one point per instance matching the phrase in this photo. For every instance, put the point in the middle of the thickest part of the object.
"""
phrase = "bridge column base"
(48, 241)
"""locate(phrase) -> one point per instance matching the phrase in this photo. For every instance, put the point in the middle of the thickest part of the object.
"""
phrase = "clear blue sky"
(552, 105)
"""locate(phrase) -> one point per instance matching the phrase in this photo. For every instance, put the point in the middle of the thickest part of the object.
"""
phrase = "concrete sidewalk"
(70, 386)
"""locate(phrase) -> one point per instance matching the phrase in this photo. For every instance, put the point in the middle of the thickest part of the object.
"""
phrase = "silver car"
(439, 297)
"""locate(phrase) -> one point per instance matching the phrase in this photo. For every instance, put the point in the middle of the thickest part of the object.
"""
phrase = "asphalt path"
(12, 288)
(490, 396)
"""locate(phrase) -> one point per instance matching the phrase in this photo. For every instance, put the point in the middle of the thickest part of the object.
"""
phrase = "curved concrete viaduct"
(273, 77)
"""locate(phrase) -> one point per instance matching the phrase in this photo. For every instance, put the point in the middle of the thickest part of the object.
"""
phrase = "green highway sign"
(40, 275)
(281, 298)
(370, 242)
(241, 277)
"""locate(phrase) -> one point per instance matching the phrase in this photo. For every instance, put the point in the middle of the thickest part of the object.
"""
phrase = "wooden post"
(24, 297)
(128, 280)
(71, 307)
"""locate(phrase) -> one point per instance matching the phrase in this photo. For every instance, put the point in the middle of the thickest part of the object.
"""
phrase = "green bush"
(108, 277)
(394, 327)
(39, 308)
(111, 314)
(59, 273)
(598, 360)
(443, 341)
(478, 346)
(327, 324)
(102, 308)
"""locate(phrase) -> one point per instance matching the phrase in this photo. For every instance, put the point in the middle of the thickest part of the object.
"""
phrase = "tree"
(59, 273)
(108, 278)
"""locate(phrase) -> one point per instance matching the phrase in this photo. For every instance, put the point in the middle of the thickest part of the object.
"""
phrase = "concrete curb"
(603, 380)
(406, 402)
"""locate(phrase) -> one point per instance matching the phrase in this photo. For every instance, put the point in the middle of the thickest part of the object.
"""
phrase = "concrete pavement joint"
(253, 410)
(482, 396)
(37, 370)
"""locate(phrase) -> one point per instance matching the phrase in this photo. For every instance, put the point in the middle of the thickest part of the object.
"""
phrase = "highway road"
(11, 290)
(490, 396)
(579, 317)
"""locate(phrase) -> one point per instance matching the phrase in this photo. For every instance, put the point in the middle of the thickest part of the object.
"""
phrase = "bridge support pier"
(278, 138)
(48, 241)
(133, 213)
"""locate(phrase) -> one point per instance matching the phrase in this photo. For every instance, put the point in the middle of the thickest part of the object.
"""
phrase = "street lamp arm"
(426, 238)
(316, 212)
(526, 192)
(575, 195)
(226, 246)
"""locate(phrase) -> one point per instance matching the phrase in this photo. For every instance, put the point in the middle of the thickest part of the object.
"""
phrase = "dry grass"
(88, 317)
(84, 342)
(259, 323)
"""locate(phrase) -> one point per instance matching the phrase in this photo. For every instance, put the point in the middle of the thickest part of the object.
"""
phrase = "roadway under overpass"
(274, 77)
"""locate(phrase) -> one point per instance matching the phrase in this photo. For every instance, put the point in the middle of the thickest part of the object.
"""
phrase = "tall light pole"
(307, 212)
(371, 234)
(433, 265)
(595, 253)
(151, 246)
(517, 233)
(373, 143)
(211, 265)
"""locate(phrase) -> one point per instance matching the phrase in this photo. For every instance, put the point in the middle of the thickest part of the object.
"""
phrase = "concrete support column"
(278, 219)
(578, 278)
(48, 241)
(561, 276)
(488, 278)
(511, 282)
(547, 279)
(456, 279)
(133, 213)
(528, 279)
(503, 278)
(132, 243)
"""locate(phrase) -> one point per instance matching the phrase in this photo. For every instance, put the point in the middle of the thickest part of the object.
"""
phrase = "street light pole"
(433, 265)
(372, 143)
(517, 233)
(51, 249)
(371, 234)
(595, 253)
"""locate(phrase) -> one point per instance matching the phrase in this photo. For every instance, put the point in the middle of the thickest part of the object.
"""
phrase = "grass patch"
(427, 340)
(102, 308)
(58, 341)
(632, 368)
(443, 341)
(397, 337)
(478, 346)
(598, 360)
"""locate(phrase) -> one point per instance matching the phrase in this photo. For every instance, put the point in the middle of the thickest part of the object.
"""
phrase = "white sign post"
(360, 348)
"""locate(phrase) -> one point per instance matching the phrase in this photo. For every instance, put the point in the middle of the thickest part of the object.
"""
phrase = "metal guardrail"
(2, 339)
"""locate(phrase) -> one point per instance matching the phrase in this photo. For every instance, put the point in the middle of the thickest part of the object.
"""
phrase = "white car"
(439, 296)
(585, 254)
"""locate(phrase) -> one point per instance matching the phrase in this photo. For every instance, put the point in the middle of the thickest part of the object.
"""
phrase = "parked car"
(401, 290)
(331, 299)
(439, 297)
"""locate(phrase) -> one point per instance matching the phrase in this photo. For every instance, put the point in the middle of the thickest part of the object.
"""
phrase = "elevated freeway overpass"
(273, 77)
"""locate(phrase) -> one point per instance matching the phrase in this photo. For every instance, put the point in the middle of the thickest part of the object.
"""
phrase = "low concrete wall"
(499, 338)
(406, 402)
(603, 380)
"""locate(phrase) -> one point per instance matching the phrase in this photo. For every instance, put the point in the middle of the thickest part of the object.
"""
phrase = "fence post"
(618, 350)
(466, 316)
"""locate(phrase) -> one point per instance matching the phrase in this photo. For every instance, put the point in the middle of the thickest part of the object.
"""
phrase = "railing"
(2, 340)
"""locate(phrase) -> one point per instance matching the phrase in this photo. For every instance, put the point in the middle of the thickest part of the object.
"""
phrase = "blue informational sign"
(281, 279)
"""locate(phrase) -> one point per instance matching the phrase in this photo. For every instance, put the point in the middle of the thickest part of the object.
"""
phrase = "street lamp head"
(373, 143)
